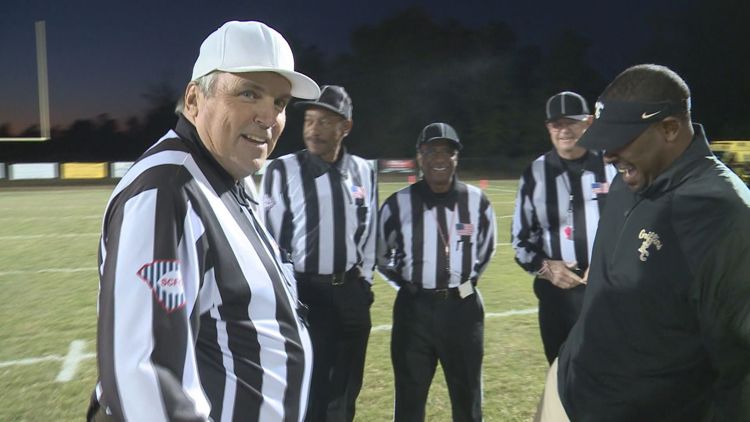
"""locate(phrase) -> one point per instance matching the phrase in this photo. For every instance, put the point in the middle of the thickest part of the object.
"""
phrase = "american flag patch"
(464, 229)
(358, 192)
(165, 281)
(600, 188)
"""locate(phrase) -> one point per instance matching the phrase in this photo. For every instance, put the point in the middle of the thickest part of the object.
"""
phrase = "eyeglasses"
(431, 151)
(563, 124)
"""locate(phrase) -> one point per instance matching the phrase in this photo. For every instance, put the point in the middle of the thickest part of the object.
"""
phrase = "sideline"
(76, 353)
(48, 270)
(46, 235)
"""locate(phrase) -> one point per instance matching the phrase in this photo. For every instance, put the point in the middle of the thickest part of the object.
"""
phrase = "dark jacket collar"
(187, 131)
(314, 166)
(686, 164)
(445, 199)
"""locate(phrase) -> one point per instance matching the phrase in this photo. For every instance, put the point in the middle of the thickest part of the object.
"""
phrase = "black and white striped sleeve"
(275, 206)
(149, 282)
(526, 232)
(486, 235)
(370, 242)
(390, 245)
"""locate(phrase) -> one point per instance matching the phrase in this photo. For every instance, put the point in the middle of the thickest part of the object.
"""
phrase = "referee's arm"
(273, 203)
(486, 235)
(526, 234)
(370, 242)
(148, 288)
(387, 243)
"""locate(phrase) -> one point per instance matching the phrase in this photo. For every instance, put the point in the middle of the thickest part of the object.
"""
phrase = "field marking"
(70, 361)
(76, 350)
(513, 312)
(36, 207)
(43, 236)
(48, 270)
(61, 217)
(496, 244)
(30, 361)
(70, 364)
(499, 217)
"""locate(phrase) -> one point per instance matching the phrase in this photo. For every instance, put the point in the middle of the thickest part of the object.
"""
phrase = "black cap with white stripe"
(436, 131)
(568, 105)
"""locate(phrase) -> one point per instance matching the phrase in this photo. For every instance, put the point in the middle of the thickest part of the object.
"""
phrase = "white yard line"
(501, 190)
(502, 244)
(70, 364)
(49, 217)
(30, 361)
(47, 235)
(76, 351)
(498, 217)
(488, 315)
(48, 270)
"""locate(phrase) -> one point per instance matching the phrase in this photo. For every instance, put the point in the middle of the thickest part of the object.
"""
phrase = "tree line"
(409, 70)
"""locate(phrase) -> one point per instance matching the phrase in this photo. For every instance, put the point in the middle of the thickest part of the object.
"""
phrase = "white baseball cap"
(238, 47)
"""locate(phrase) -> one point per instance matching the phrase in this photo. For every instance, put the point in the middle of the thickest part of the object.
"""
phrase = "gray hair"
(206, 83)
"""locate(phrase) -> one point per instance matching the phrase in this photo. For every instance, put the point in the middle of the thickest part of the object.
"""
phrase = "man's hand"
(560, 274)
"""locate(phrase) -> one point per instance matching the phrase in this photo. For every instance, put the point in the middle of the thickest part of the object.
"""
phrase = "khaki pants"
(550, 408)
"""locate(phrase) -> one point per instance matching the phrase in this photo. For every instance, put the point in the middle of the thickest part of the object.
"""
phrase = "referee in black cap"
(560, 196)
(320, 204)
(435, 239)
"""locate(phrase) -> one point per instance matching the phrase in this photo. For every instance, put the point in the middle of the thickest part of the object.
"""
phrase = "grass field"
(48, 279)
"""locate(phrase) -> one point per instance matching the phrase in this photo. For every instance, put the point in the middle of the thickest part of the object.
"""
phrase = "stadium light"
(42, 85)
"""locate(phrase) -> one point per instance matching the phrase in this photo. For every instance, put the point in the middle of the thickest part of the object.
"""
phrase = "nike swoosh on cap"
(645, 115)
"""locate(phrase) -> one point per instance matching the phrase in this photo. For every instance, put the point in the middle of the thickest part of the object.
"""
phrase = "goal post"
(42, 87)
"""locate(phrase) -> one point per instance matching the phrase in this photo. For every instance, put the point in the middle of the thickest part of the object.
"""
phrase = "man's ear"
(192, 92)
(347, 127)
(670, 127)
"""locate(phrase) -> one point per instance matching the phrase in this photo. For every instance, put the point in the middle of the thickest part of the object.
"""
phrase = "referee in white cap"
(198, 317)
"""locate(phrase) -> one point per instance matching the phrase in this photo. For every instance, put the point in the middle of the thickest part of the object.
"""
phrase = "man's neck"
(439, 187)
(332, 158)
(572, 154)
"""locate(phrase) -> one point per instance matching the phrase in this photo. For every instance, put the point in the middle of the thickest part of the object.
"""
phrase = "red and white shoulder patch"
(165, 280)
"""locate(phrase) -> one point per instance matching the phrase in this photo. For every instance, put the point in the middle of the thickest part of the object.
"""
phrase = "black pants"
(339, 327)
(558, 312)
(428, 329)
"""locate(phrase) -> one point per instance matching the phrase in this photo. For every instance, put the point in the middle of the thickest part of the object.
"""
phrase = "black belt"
(335, 279)
(449, 293)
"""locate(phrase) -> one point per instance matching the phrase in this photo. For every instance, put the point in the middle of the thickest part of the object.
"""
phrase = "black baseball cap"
(332, 97)
(617, 123)
(436, 131)
(567, 104)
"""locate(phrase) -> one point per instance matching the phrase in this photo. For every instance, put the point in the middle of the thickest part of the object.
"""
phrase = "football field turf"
(48, 279)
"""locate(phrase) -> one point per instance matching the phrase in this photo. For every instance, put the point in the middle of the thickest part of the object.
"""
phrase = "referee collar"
(187, 131)
(445, 199)
(590, 160)
(315, 166)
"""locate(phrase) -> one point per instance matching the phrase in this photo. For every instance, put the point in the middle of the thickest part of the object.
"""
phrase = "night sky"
(103, 55)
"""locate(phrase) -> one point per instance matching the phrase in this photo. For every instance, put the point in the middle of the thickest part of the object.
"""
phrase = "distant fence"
(490, 167)
(66, 171)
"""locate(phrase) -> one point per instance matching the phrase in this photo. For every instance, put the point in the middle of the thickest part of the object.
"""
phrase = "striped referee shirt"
(324, 215)
(416, 225)
(557, 210)
(197, 315)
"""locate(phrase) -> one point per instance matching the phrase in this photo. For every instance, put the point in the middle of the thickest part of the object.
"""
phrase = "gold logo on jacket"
(649, 238)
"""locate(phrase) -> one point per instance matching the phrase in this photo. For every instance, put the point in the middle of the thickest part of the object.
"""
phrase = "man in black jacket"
(664, 333)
